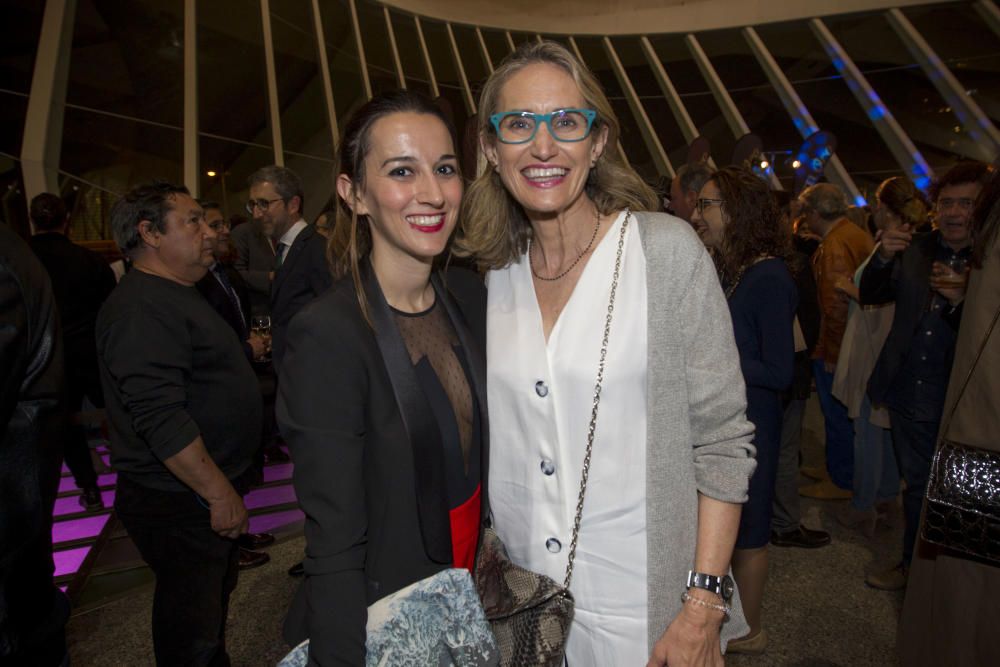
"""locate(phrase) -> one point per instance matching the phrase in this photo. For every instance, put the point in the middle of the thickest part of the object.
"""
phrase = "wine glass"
(261, 326)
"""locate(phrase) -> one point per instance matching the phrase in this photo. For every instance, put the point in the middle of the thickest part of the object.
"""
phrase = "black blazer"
(369, 467)
(254, 259)
(216, 295)
(905, 280)
(303, 276)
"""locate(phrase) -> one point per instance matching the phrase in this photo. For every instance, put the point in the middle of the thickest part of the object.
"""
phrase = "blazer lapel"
(476, 360)
(421, 429)
(292, 256)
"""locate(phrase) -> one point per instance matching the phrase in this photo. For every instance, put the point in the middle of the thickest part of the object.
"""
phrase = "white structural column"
(324, 73)
(988, 10)
(659, 155)
(900, 145)
(43, 125)
(801, 118)
(579, 56)
(397, 63)
(470, 104)
(362, 60)
(984, 135)
(191, 175)
(485, 52)
(510, 41)
(729, 110)
(273, 104)
(688, 128)
(435, 91)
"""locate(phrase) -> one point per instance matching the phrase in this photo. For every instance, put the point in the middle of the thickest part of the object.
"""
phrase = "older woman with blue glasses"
(642, 476)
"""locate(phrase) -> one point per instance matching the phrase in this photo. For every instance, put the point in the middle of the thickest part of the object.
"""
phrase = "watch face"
(728, 587)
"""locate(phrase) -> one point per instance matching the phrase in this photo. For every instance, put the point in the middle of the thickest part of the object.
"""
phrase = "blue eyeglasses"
(519, 127)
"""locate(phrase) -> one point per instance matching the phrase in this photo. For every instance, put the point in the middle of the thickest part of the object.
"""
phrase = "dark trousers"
(76, 451)
(914, 444)
(195, 569)
(838, 428)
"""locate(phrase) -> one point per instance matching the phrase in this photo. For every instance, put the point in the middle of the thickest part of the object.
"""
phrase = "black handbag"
(962, 508)
(529, 613)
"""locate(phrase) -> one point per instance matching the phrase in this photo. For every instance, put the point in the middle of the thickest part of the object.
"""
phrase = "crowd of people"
(616, 389)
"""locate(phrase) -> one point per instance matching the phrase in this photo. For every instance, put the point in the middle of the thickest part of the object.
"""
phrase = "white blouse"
(540, 400)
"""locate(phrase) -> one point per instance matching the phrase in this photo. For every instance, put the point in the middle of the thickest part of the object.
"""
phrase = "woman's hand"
(691, 640)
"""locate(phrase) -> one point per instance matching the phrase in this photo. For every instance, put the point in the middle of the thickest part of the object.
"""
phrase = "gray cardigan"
(698, 438)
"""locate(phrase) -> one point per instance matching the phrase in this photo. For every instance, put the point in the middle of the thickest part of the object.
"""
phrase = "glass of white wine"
(261, 326)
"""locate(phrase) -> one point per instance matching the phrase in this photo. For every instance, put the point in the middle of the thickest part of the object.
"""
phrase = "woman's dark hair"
(986, 219)
(753, 228)
(351, 240)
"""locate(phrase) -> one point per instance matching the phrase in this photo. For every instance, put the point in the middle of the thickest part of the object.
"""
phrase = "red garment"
(465, 530)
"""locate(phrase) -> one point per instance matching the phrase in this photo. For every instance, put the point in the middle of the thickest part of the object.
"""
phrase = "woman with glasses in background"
(737, 217)
(557, 216)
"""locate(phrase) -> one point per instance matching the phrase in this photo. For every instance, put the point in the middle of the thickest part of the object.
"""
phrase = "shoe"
(255, 540)
(276, 454)
(815, 472)
(748, 645)
(802, 537)
(864, 520)
(889, 580)
(824, 490)
(297, 570)
(251, 559)
(90, 499)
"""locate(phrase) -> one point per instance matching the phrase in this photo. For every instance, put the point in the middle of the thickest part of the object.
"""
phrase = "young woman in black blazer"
(382, 395)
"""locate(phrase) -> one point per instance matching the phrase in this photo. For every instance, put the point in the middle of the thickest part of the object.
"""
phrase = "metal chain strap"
(597, 400)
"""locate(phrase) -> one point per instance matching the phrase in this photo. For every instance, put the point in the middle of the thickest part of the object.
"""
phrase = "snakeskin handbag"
(962, 511)
(529, 613)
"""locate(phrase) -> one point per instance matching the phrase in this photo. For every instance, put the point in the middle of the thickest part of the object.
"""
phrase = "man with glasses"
(253, 257)
(300, 271)
(924, 274)
(843, 247)
(685, 187)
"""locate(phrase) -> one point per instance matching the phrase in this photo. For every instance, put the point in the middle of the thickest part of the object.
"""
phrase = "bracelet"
(724, 608)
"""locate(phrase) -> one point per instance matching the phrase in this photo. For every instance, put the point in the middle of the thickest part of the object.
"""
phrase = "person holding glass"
(738, 219)
(876, 472)
(910, 377)
(381, 396)
(557, 218)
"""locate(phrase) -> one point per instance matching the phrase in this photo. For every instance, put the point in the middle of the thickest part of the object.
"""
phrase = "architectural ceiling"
(624, 17)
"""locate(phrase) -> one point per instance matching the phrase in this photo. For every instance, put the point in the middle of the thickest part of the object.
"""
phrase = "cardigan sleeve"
(320, 409)
(721, 435)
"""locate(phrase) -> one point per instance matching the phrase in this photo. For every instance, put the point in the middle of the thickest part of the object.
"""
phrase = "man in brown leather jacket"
(844, 247)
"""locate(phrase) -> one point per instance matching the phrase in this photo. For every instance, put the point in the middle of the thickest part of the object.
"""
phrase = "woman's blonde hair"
(493, 228)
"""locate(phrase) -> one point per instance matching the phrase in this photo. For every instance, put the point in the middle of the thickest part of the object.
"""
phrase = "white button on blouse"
(540, 398)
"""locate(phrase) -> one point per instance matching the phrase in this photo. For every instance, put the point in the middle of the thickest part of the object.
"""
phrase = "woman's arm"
(321, 411)
(723, 460)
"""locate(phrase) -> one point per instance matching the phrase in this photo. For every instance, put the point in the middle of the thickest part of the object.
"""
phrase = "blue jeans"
(839, 430)
(876, 473)
(914, 443)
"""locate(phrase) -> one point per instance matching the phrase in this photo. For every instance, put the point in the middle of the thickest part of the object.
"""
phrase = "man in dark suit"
(33, 611)
(253, 258)
(81, 282)
(911, 374)
(301, 272)
(225, 290)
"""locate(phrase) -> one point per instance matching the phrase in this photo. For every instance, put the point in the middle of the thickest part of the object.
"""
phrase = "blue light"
(875, 113)
(860, 201)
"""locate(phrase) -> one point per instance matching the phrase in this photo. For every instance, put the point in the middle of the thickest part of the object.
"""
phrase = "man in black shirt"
(185, 413)
(81, 281)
